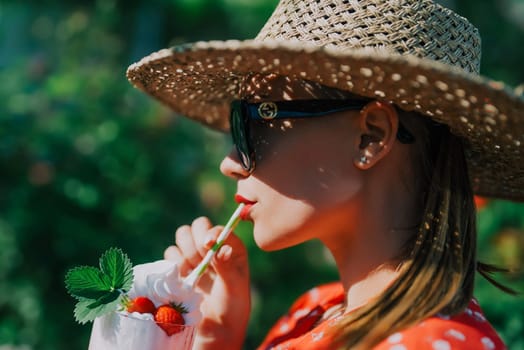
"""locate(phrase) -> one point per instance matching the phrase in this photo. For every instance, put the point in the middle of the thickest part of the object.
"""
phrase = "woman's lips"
(245, 212)
(248, 205)
(239, 199)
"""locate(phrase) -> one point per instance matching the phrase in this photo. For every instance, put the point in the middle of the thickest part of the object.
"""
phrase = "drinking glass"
(122, 331)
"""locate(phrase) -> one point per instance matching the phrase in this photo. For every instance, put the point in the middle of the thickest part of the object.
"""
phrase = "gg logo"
(267, 110)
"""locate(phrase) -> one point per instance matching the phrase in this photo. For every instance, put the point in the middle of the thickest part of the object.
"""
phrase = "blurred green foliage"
(87, 162)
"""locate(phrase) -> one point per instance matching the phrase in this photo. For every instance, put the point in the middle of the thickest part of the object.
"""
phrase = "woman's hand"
(225, 284)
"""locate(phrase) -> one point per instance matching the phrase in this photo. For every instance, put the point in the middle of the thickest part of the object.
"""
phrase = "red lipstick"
(239, 199)
(249, 204)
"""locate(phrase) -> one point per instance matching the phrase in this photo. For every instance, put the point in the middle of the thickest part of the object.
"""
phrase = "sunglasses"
(243, 112)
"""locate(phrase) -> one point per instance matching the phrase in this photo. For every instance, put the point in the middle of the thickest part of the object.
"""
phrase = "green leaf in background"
(87, 282)
(118, 268)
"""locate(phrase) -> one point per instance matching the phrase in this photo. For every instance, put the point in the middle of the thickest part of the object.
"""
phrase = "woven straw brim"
(200, 80)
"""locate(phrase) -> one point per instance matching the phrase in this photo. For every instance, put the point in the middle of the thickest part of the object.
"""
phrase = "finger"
(231, 261)
(224, 253)
(200, 229)
(211, 237)
(187, 246)
(174, 254)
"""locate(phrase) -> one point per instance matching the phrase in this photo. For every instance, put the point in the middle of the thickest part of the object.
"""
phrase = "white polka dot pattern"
(468, 330)
(488, 343)
(395, 338)
(456, 334)
(317, 336)
(441, 345)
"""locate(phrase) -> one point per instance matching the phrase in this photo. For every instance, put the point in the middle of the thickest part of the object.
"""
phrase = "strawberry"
(142, 305)
(170, 317)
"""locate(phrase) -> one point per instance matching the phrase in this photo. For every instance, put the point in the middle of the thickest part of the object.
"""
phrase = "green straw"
(193, 277)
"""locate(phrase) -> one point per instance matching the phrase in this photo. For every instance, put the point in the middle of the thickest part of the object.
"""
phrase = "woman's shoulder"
(294, 329)
(467, 330)
(320, 295)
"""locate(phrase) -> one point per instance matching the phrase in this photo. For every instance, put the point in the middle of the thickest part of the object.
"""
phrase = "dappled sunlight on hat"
(388, 50)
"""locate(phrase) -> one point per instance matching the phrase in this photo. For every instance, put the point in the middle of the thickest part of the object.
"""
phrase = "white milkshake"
(159, 281)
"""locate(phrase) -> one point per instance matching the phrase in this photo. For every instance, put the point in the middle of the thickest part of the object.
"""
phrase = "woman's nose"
(231, 166)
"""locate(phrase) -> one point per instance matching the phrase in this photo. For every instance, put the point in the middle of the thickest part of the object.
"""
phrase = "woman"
(364, 125)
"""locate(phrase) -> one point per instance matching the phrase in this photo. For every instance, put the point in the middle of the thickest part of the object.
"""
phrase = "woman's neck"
(368, 259)
(360, 292)
(368, 243)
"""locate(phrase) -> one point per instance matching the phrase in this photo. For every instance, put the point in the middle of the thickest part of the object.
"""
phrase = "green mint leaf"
(100, 291)
(118, 268)
(86, 310)
(105, 299)
(87, 282)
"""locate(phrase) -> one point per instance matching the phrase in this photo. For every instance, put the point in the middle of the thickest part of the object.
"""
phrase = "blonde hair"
(437, 273)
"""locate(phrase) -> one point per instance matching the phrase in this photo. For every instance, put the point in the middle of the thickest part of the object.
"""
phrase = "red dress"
(299, 329)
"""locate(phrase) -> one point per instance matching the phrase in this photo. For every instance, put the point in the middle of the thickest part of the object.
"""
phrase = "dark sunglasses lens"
(240, 138)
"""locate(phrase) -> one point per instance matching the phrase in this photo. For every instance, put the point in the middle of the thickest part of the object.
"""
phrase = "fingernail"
(209, 241)
(225, 252)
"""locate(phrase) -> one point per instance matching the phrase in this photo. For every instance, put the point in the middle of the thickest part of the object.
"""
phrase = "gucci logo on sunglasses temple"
(242, 112)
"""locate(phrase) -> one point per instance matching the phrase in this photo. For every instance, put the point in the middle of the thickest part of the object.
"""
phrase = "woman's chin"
(269, 240)
(264, 242)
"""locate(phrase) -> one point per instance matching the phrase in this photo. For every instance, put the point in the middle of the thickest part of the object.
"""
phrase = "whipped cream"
(160, 282)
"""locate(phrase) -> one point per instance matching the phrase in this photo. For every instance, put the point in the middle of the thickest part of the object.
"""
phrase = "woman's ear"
(378, 125)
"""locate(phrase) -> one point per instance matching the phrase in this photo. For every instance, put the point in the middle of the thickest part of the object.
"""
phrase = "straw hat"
(414, 53)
